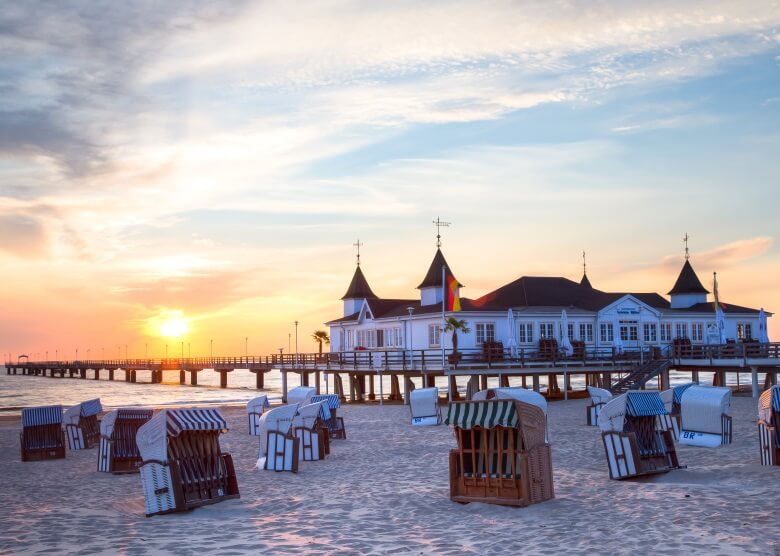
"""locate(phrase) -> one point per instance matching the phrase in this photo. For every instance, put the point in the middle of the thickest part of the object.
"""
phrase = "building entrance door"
(629, 333)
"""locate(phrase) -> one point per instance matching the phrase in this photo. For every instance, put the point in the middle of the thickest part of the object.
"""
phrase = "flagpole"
(443, 302)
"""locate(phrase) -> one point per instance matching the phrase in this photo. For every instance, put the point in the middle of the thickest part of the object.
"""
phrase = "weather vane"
(584, 268)
(358, 244)
(439, 225)
(685, 240)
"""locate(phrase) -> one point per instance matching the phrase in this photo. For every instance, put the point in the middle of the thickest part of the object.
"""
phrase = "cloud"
(727, 255)
(23, 236)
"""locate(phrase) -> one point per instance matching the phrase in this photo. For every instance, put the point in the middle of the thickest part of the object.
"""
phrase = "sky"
(203, 170)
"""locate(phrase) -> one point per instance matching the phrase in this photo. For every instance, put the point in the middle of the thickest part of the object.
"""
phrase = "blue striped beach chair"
(704, 418)
(502, 455)
(278, 446)
(335, 424)
(598, 398)
(183, 465)
(309, 428)
(118, 452)
(769, 426)
(82, 427)
(634, 439)
(42, 437)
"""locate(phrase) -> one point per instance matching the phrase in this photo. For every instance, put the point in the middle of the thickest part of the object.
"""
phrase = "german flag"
(453, 300)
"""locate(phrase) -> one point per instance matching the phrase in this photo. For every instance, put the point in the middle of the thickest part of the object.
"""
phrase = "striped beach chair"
(42, 437)
(598, 397)
(672, 398)
(704, 418)
(118, 452)
(335, 424)
(516, 393)
(308, 426)
(769, 426)
(301, 394)
(183, 464)
(502, 456)
(82, 428)
(254, 410)
(634, 440)
(278, 446)
(424, 406)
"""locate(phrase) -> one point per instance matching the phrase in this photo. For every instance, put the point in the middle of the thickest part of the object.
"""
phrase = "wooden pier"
(548, 373)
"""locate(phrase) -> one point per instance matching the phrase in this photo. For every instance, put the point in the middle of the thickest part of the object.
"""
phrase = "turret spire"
(439, 225)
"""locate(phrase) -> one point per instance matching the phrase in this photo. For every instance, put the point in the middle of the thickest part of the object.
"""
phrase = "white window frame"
(650, 332)
(681, 327)
(666, 332)
(697, 332)
(481, 332)
(525, 333)
(434, 334)
(744, 330)
(586, 332)
(606, 332)
(547, 331)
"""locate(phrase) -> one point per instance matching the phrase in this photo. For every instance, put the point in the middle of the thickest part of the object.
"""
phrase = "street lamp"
(146, 351)
(166, 351)
(410, 335)
(246, 346)
(211, 348)
(289, 335)
(296, 342)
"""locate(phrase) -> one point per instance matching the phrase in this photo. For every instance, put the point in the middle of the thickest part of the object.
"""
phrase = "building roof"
(585, 282)
(433, 277)
(359, 288)
(687, 281)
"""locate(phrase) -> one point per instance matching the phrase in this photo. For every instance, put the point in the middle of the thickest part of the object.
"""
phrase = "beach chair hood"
(44, 415)
(599, 395)
(278, 419)
(258, 404)
(529, 419)
(521, 394)
(668, 397)
(678, 391)
(331, 399)
(768, 403)
(613, 415)
(307, 414)
(84, 409)
(109, 420)
(702, 408)
(300, 395)
(423, 401)
(152, 437)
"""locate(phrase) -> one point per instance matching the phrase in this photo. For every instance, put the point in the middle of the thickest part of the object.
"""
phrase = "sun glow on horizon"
(170, 324)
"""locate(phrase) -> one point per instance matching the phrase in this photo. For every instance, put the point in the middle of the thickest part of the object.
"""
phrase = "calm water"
(17, 391)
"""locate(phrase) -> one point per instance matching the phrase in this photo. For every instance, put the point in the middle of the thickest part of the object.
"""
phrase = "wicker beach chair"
(254, 409)
(672, 398)
(308, 426)
(82, 427)
(335, 424)
(769, 426)
(278, 446)
(598, 397)
(42, 437)
(704, 418)
(634, 441)
(301, 394)
(502, 456)
(424, 405)
(118, 452)
(183, 465)
(516, 393)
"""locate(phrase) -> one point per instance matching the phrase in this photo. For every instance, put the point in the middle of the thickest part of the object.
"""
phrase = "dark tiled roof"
(359, 288)
(433, 277)
(709, 307)
(687, 281)
(585, 282)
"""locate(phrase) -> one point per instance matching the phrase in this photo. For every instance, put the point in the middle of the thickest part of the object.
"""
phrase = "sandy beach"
(384, 490)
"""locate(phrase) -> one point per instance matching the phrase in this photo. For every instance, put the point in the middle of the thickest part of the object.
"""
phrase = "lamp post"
(296, 342)
(211, 348)
(289, 335)
(166, 351)
(146, 351)
(410, 310)
(246, 346)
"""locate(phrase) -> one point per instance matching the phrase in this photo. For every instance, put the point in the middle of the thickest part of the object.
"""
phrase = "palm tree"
(320, 336)
(455, 325)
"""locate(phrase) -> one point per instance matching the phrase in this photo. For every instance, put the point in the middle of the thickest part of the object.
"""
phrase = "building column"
(754, 380)
(535, 382)
(284, 386)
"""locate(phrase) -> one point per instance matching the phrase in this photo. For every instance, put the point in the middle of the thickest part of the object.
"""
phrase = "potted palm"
(455, 325)
(320, 336)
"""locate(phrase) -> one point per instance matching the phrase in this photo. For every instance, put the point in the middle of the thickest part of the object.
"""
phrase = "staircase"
(639, 377)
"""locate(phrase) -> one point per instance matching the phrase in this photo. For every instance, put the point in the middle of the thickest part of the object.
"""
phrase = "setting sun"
(170, 324)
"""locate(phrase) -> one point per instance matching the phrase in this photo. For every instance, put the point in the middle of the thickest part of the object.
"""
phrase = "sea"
(18, 391)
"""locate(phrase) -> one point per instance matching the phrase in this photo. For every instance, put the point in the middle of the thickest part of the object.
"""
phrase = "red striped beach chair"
(42, 437)
(634, 440)
(254, 410)
(278, 446)
(502, 456)
(183, 465)
(118, 452)
(704, 418)
(335, 424)
(769, 426)
(82, 427)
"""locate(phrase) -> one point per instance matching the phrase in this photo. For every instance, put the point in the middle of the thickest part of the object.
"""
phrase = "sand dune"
(385, 490)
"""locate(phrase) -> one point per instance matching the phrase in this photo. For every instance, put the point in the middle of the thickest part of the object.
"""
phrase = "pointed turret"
(585, 282)
(431, 286)
(688, 289)
(357, 291)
